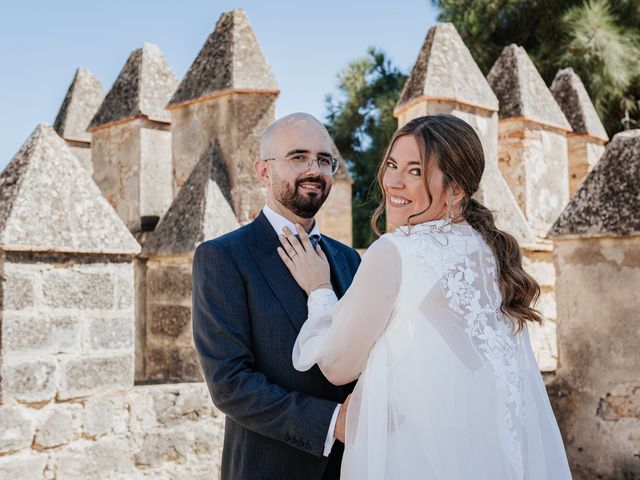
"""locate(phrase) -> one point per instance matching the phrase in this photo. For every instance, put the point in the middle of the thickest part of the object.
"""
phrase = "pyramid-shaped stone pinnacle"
(445, 69)
(143, 88)
(48, 202)
(574, 101)
(84, 96)
(230, 59)
(521, 90)
(201, 211)
(607, 202)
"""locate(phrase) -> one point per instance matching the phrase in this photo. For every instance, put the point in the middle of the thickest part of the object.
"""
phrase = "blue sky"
(306, 43)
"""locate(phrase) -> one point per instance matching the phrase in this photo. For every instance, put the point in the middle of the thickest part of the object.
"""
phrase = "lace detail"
(320, 302)
(458, 255)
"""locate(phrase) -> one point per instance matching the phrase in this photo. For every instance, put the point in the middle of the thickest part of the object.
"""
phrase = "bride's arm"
(338, 335)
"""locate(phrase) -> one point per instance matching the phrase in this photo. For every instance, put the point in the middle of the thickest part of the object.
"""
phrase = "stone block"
(17, 291)
(16, 430)
(111, 333)
(170, 445)
(545, 345)
(173, 364)
(169, 283)
(57, 427)
(106, 458)
(83, 376)
(124, 292)
(97, 417)
(542, 271)
(67, 288)
(168, 320)
(176, 405)
(28, 466)
(31, 381)
(546, 304)
(60, 334)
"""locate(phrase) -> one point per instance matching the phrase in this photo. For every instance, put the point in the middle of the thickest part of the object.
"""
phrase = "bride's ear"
(454, 195)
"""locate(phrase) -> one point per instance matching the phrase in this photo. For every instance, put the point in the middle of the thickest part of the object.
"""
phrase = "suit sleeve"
(221, 332)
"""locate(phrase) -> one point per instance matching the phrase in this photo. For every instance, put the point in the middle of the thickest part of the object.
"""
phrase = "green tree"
(360, 120)
(599, 39)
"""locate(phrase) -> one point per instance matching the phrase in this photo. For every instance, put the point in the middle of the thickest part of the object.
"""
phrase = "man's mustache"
(318, 179)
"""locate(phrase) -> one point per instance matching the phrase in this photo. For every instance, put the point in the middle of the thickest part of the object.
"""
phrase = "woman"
(433, 326)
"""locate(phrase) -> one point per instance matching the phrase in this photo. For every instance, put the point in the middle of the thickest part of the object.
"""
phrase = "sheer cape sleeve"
(338, 335)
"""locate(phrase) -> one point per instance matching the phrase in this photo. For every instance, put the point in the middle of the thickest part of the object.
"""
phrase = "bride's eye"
(415, 172)
(390, 164)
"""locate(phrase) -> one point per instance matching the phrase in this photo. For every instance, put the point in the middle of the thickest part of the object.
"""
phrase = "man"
(248, 310)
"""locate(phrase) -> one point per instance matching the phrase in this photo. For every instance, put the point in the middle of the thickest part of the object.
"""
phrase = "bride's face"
(404, 185)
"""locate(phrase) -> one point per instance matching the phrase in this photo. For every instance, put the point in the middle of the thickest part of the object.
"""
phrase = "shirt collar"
(278, 222)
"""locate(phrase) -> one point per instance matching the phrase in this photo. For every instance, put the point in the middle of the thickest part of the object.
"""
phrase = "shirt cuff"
(328, 444)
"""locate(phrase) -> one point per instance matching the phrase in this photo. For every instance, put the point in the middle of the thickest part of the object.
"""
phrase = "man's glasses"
(301, 163)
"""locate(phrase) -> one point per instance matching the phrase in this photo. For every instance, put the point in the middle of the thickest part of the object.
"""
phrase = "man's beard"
(304, 206)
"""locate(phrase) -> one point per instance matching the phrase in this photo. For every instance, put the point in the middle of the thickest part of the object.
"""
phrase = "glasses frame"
(335, 162)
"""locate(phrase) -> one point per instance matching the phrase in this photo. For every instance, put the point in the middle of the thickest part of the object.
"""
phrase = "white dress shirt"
(278, 222)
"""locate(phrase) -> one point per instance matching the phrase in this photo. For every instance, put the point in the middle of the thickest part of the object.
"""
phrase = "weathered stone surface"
(16, 430)
(30, 381)
(57, 427)
(111, 333)
(124, 292)
(107, 458)
(17, 291)
(71, 288)
(170, 283)
(83, 376)
(162, 446)
(608, 200)
(202, 210)
(446, 70)
(594, 393)
(97, 417)
(28, 466)
(230, 59)
(521, 90)
(168, 319)
(48, 202)
(574, 101)
(58, 334)
(622, 402)
(173, 364)
(81, 103)
(173, 406)
(143, 88)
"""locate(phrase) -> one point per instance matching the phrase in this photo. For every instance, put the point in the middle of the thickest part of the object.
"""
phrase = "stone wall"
(146, 432)
(596, 392)
(67, 326)
(169, 351)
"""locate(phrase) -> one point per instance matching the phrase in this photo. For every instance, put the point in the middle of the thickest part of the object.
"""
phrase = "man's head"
(285, 146)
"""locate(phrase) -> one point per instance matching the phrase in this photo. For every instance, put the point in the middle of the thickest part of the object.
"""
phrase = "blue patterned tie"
(314, 239)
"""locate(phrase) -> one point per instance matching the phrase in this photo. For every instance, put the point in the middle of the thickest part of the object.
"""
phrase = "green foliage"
(360, 120)
(598, 38)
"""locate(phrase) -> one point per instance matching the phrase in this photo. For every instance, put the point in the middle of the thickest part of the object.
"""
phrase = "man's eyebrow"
(297, 150)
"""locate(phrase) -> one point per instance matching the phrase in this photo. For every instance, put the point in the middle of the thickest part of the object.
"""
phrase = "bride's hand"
(308, 266)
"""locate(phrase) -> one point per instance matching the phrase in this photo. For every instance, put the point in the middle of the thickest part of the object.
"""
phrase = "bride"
(434, 327)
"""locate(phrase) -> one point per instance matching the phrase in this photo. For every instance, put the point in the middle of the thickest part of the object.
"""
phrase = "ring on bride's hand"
(293, 254)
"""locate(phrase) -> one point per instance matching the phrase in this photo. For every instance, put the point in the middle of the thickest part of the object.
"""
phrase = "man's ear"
(262, 171)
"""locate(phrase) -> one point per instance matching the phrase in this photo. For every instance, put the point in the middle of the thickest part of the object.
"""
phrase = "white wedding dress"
(445, 389)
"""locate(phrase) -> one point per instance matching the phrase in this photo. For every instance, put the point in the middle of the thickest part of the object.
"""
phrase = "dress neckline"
(440, 225)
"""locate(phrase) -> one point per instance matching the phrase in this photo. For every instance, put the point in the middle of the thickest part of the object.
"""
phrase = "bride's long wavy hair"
(453, 145)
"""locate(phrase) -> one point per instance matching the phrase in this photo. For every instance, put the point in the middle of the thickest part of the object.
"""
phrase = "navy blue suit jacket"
(247, 312)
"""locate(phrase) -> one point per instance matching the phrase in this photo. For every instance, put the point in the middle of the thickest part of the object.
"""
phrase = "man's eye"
(300, 157)
(325, 161)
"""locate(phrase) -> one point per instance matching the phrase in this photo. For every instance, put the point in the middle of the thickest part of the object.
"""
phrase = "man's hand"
(339, 432)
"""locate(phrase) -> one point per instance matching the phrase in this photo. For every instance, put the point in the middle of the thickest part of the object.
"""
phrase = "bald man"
(247, 312)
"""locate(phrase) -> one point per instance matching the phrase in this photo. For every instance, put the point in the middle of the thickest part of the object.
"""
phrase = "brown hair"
(455, 148)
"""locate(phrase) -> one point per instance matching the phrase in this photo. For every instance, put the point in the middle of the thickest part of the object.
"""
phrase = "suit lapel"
(275, 272)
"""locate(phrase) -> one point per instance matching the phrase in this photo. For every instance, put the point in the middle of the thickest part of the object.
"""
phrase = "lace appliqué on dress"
(321, 301)
(454, 258)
